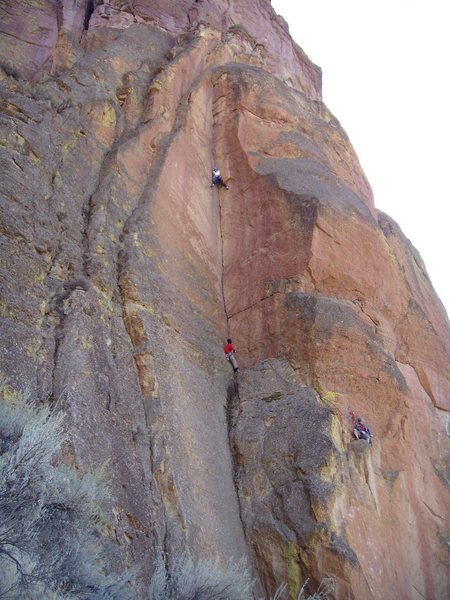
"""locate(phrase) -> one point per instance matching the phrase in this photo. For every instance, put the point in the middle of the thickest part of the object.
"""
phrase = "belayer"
(361, 431)
(217, 179)
(230, 352)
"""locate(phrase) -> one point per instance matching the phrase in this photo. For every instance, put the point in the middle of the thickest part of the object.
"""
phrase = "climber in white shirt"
(217, 179)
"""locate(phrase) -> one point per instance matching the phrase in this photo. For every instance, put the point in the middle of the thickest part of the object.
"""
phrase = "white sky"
(385, 66)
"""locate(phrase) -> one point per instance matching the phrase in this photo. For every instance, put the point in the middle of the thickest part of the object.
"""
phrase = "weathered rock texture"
(123, 272)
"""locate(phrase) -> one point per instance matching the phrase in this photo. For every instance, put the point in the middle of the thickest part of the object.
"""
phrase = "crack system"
(222, 275)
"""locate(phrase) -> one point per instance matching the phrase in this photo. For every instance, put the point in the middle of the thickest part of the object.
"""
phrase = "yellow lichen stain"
(136, 241)
(304, 558)
(112, 237)
(294, 575)
(32, 347)
(103, 122)
(318, 512)
(328, 471)
(150, 308)
(66, 148)
(9, 393)
(388, 249)
(43, 310)
(106, 308)
(336, 433)
(35, 4)
(5, 310)
(86, 342)
(109, 116)
(106, 304)
(40, 277)
(330, 397)
(148, 252)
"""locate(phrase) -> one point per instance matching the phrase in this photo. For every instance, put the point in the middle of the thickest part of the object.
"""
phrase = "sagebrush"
(48, 546)
(203, 580)
(325, 592)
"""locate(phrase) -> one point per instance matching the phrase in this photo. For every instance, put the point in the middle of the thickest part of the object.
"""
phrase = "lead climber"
(217, 179)
(230, 352)
(361, 431)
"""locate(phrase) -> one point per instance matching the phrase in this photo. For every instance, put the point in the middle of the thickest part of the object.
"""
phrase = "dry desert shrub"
(325, 591)
(48, 513)
(203, 580)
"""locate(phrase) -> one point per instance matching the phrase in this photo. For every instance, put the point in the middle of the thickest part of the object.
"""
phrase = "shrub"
(203, 580)
(48, 547)
(325, 591)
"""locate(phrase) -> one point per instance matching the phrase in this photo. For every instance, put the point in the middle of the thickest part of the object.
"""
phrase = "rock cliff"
(123, 272)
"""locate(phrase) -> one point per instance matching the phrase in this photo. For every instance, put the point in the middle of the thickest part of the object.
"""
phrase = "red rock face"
(124, 272)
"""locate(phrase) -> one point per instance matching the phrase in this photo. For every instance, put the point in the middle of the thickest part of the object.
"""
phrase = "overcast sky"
(385, 66)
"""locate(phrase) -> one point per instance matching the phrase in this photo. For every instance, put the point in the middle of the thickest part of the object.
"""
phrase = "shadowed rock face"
(123, 272)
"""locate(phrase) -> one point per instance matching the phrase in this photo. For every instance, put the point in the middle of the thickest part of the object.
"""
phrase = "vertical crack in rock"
(59, 13)
(86, 213)
(233, 409)
(222, 275)
(87, 15)
(217, 191)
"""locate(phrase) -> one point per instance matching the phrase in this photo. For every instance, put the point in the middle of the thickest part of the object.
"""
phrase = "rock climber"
(217, 179)
(361, 431)
(230, 352)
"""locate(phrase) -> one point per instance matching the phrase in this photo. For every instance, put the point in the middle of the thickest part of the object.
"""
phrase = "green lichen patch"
(294, 576)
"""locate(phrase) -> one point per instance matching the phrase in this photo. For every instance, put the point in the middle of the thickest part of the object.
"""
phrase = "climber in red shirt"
(361, 431)
(230, 352)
